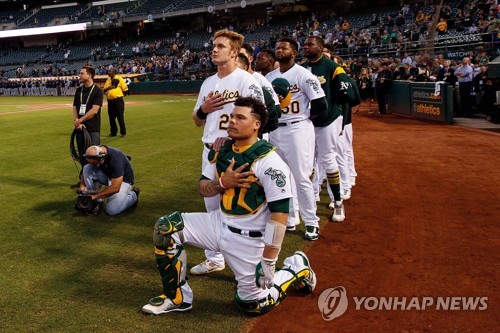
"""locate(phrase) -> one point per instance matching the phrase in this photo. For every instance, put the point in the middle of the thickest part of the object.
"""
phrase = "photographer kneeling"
(110, 167)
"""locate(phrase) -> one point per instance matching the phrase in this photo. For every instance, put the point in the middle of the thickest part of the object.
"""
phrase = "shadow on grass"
(106, 259)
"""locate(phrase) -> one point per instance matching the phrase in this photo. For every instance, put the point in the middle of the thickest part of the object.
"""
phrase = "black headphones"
(100, 154)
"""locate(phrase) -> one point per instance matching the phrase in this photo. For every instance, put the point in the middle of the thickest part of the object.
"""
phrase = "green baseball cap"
(282, 88)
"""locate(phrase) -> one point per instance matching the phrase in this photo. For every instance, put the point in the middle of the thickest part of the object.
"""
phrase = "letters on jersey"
(243, 201)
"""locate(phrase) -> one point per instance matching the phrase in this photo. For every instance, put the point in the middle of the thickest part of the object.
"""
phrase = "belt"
(253, 234)
(289, 123)
(208, 145)
(114, 99)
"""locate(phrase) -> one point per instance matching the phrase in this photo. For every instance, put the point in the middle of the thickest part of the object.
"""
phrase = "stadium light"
(43, 30)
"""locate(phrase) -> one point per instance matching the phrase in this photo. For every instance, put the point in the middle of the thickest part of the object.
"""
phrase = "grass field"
(61, 272)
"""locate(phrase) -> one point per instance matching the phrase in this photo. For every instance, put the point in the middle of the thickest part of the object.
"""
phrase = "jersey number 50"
(294, 107)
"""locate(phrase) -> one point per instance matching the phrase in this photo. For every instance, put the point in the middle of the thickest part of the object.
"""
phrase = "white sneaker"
(347, 194)
(338, 211)
(162, 304)
(317, 198)
(206, 267)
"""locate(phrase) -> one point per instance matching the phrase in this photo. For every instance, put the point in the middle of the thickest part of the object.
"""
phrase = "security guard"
(114, 89)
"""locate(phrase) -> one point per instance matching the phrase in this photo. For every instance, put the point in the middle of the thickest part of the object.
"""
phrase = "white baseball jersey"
(238, 83)
(304, 87)
(265, 84)
(274, 175)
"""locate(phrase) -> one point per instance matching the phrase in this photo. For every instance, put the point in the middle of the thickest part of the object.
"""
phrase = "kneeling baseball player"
(253, 183)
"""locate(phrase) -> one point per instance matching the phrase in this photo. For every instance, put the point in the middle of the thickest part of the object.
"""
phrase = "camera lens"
(84, 202)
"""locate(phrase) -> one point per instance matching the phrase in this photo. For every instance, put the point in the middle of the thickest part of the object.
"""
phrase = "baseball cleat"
(291, 228)
(161, 304)
(206, 267)
(347, 194)
(338, 211)
(309, 283)
(312, 233)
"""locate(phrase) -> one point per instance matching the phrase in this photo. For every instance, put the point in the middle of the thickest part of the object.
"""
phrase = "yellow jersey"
(118, 91)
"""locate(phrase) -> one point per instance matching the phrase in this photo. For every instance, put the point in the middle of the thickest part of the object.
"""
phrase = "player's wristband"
(221, 183)
(200, 114)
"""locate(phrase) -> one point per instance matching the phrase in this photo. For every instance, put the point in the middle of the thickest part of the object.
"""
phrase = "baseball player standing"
(294, 137)
(328, 128)
(251, 181)
(215, 102)
(271, 99)
(265, 62)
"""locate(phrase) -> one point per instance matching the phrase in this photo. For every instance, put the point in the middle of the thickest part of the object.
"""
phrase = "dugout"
(494, 72)
(494, 67)
(428, 101)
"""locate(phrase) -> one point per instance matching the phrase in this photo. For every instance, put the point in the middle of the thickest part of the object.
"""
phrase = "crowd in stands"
(391, 36)
(50, 70)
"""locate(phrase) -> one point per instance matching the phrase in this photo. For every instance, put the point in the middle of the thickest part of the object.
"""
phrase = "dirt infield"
(422, 222)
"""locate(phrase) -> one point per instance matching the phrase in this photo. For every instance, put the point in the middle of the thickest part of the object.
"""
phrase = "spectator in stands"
(382, 85)
(483, 58)
(446, 73)
(375, 21)
(345, 25)
(464, 74)
(479, 83)
(473, 56)
(442, 26)
(402, 72)
(400, 21)
(420, 16)
(467, 20)
(364, 82)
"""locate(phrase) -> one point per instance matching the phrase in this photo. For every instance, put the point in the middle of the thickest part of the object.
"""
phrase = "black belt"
(208, 145)
(290, 123)
(253, 234)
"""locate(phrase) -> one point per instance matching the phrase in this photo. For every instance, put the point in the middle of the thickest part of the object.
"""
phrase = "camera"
(414, 71)
(85, 204)
(420, 73)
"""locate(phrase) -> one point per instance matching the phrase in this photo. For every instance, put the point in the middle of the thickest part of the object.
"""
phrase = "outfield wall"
(417, 100)
(165, 87)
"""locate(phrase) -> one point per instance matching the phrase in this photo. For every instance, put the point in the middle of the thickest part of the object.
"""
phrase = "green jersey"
(241, 201)
(336, 85)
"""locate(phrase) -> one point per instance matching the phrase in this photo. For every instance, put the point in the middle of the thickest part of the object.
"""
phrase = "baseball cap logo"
(333, 303)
